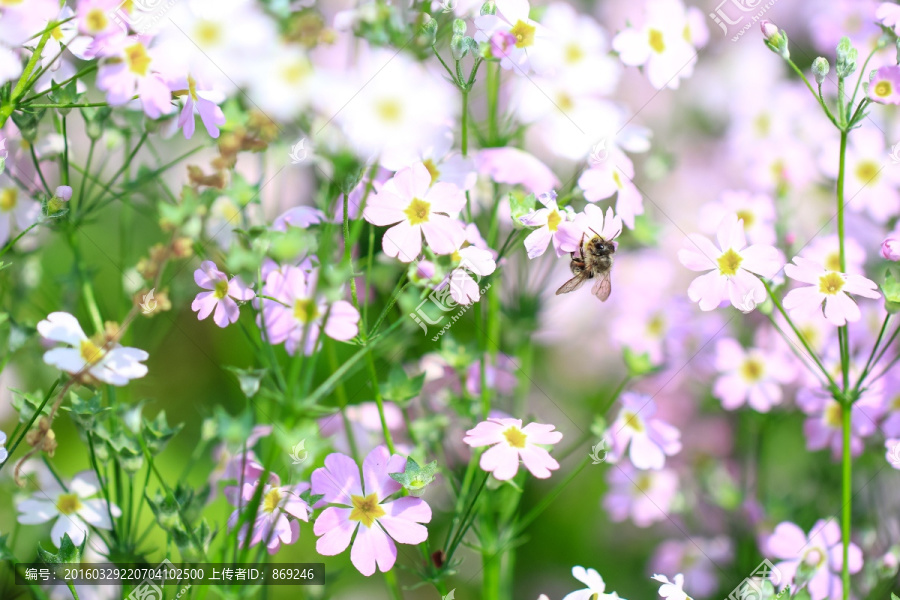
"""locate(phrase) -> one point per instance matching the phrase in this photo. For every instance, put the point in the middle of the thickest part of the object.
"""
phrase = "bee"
(594, 261)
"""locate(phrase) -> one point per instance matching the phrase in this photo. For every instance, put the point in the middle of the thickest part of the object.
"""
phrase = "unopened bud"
(459, 27)
(489, 8)
(776, 39)
(429, 30)
(846, 58)
(820, 68)
(458, 47)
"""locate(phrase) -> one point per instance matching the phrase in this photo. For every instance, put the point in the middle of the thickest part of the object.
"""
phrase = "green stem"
(22, 85)
(846, 481)
(464, 144)
(490, 587)
(393, 585)
(818, 97)
(86, 105)
(17, 238)
(548, 499)
(376, 390)
(34, 417)
(72, 589)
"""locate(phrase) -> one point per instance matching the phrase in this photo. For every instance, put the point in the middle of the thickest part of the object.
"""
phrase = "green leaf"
(400, 387)
(157, 433)
(128, 451)
(638, 364)
(5, 552)
(84, 412)
(414, 478)
(68, 553)
(891, 289)
(519, 207)
(27, 404)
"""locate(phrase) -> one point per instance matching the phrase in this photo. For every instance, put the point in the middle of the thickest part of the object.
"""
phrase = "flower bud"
(890, 249)
(820, 68)
(846, 58)
(64, 193)
(458, 47)
(425, 269)
(459, 27)
(776, 40)
(429, 30)
(489, 8)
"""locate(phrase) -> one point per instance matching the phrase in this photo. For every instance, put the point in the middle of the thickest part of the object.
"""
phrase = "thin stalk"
(379, 400)
(847, 498)
(22, 84)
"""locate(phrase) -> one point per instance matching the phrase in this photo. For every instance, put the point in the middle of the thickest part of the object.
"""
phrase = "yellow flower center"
(221, 289)
(515, 437)
(305, 310)
(90, 352)
(729, 262)
(643, 483)
(633, 421)
(554, 220)
(272, 500)
(389, 110)
(883, 89)
(831, 283)
(564, 102)
(747, 217)
(96, 20)
(895, 404)
(867, 171)
(296, 72)
(418, 211)
(57, 33)
(617, 179)
(574, 53)
(208, 33)
(656, 326)
(763, 124)
(8, 199)
(138, 59)
(192, 88)
(687, 34)
(834, 414)
(524, 34)
(366, 510)
(432, 168)
(752, 370)
(68, 504)
(655, 38)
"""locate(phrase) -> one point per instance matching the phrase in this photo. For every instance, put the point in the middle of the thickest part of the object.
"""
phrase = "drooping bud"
(890, 249)
(820, 68)
(489, 8)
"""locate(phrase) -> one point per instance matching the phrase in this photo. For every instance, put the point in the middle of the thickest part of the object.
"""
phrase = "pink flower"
(754, 376)
(755, 210)
(134, 73)
(820, 555)
(643, 496)
(512, 35)
(415, 208)
(301, 217)
(364, 508)
(650, 439)
(222, 294)
(516, 167)
(547, 220)
(731, 267)
(272, 524)
(890, 249)
(888, 14)
(294, 311)
(511, 442)
(830, 288)
(614, 177)
(203, 100)
(884, 87)
(823, 427)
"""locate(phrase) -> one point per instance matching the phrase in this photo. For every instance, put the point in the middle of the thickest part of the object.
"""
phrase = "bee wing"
(603, 287)
(572, 284)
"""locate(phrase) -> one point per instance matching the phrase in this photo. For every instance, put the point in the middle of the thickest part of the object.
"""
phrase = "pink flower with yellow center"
(829, 291)
(415, 208)
(222, 295)
(510, 443)
(131, 70)
(365, 507)
(547, 220)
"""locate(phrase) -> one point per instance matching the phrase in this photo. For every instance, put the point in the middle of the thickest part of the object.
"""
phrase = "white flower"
(596, 587)
(115, 366)
(672, 590)
(16, 211)
(73, 509)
